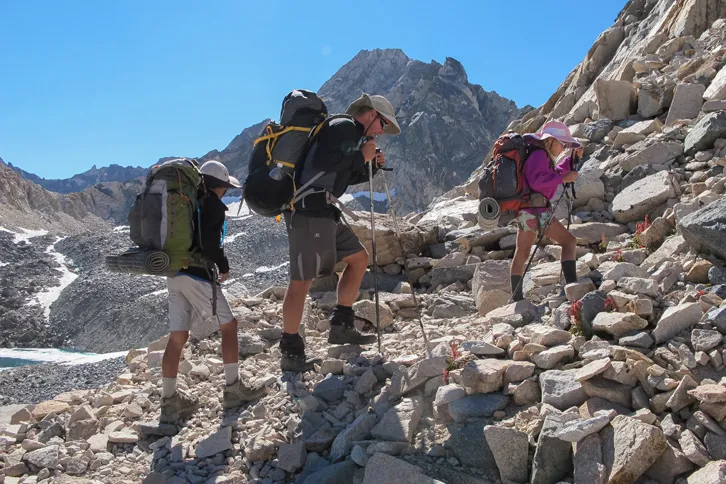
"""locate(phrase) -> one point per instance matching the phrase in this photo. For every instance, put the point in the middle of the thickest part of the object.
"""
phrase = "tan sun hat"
(382, 105)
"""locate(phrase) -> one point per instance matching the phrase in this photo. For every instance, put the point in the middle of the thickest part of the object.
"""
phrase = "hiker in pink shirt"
(543, 176)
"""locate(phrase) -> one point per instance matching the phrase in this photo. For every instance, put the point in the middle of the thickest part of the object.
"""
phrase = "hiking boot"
(342, 330)
(180, 406)
(297, 362)
(238, 393)
(347, 335)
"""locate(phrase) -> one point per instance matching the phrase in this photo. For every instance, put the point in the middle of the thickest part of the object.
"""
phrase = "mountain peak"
(365, 55)
(453, 71)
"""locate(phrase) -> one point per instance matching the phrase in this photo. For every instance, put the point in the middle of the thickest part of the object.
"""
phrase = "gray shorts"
(190, 301)
(317, 244)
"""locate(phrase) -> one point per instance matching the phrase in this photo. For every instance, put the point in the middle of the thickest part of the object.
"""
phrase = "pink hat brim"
(569, 140)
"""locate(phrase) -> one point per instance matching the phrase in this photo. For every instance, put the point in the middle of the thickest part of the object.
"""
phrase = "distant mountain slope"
(30, 206)
(81, 181)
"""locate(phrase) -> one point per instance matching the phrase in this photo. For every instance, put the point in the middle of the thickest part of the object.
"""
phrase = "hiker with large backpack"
(194, 291)
(302, 183)
(517, 186)
(544, 171)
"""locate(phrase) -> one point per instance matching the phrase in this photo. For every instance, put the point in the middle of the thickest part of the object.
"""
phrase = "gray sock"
(168, 387)
(231, 372)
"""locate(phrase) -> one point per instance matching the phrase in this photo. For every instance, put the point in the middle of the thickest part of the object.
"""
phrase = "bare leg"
(172, 353)
(350, 281)
(294, 305)
(557, 232)
(230, 344)
(525, 240)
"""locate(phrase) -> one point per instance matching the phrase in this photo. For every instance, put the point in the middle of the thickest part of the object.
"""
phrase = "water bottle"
(276, 173)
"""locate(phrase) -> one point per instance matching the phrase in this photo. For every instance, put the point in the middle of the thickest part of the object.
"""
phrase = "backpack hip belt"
(535, 200)
(323, 198)
(333, 200)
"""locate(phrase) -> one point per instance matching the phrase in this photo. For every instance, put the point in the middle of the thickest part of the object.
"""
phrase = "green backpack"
(166, 213)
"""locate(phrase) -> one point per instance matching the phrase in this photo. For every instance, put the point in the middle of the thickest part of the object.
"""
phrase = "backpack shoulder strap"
(202, 196)
(327, 121)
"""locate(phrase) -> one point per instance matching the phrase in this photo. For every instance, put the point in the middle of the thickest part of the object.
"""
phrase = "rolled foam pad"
(137, 261)
(488, 214)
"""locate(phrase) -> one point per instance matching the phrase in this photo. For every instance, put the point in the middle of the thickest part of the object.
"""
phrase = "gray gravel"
(35, 383)
(26, 270)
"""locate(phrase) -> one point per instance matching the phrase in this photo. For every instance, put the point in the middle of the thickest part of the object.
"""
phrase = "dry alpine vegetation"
(623, 383)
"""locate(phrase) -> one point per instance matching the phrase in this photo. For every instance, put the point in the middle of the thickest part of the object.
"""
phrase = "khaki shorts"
(317, 244)
(190, 301)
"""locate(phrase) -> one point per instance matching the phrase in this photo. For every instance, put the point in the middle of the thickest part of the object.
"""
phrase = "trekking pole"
(375, 260)
(572, 196)
(405, 262)
(574, 161)
(536, 248)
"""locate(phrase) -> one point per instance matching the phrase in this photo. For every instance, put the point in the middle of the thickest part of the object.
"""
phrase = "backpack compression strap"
(273, 137)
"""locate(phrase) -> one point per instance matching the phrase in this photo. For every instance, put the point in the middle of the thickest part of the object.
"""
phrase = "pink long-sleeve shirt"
(541, 178)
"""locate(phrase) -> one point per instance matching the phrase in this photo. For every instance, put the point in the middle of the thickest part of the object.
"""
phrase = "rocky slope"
(87, 179)
(28, 205)
(622, 382)
(94, 303)
(134, 308)
(54, 288)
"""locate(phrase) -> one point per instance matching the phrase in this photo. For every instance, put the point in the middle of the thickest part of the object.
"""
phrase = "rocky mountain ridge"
(87, 179)
(24, 204)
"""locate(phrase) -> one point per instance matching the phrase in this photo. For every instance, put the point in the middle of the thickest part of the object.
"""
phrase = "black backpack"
(279, 154)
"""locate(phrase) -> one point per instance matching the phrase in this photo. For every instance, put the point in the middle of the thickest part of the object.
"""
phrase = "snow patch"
(415, 118)
(3, 264)
(155, 293)
(25, 235)
(377, 196)
(229, 239)
(49, 296)
(233, 205)
(54, 355)
(121, 229)
(263, 269)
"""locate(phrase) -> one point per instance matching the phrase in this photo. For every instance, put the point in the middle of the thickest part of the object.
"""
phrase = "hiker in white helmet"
(192, 298)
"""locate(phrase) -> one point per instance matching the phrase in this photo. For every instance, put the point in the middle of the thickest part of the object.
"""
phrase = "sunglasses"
(384, 124)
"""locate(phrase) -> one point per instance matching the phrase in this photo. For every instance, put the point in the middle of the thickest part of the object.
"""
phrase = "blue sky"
(128, 82)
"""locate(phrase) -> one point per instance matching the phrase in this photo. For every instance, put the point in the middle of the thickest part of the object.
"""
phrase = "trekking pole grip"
(379, 150)
(574, 162)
